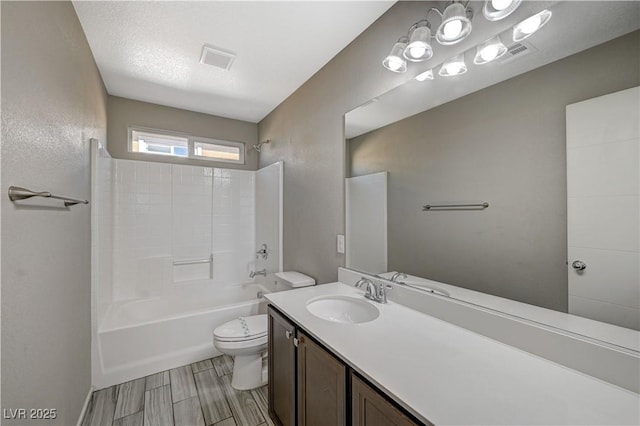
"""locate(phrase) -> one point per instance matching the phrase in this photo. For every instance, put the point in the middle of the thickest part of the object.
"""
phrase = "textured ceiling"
(150, 50)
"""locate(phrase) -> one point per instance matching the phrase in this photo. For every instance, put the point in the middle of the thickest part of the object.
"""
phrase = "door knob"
(579, 265)
(287, 334)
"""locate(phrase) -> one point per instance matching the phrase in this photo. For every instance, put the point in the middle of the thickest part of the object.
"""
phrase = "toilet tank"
(292, 279)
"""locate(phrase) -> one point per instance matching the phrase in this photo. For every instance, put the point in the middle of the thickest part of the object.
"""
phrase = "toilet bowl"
(246, 338)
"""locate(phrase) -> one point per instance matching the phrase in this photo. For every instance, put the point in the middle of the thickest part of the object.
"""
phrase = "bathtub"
(145, 336)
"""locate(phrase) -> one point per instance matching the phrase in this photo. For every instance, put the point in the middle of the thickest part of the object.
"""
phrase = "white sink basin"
(343, 309)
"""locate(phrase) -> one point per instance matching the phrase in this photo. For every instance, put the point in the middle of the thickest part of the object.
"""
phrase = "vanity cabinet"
(307, 385)
(370, 408)
(282, 369)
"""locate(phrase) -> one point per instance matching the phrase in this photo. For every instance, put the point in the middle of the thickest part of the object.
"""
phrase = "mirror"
(504, 134)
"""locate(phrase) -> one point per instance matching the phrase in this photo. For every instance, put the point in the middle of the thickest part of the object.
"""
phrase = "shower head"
(258, 146)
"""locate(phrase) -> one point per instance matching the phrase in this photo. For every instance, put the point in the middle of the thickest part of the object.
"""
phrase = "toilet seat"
(251, 329)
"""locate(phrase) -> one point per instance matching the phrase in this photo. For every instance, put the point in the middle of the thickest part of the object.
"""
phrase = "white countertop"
(448, 375)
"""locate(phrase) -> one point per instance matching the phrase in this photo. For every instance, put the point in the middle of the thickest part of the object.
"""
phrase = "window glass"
(157, 143)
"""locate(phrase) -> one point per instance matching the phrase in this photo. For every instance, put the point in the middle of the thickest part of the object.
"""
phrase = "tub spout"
(262, 272)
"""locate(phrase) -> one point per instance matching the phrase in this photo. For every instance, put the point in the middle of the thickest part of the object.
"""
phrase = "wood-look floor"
(198, 394)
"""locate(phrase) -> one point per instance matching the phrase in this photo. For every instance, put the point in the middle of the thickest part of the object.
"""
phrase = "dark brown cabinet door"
(282, 370)
(369, 408)
(321, 385)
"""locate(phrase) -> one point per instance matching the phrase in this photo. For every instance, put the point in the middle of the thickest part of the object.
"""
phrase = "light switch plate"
(340, 244)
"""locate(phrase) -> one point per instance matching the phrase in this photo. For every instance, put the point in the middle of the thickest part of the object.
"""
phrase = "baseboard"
(87, 401)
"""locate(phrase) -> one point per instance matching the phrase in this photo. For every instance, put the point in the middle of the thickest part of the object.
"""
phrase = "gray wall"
(127, 112)
(53, 102)
(307, 133)
(504, 144)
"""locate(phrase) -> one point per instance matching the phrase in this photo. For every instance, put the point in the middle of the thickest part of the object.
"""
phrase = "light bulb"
(530, 25)
(454, 68)
(394, 61)
(395, 64)
(489, 53)
(490, 50)
(452, 29)
(455, 25)
(417, 51)
(501, 4)
(495, 10)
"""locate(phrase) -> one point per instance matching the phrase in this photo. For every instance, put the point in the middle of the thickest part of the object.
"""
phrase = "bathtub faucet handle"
(263, 252)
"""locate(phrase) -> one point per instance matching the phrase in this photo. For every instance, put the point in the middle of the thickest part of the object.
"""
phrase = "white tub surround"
(143, 337)
(172, 248)
(446, 374)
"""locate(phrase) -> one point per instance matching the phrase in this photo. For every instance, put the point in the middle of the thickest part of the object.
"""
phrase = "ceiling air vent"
(518, 50)
(217, 57)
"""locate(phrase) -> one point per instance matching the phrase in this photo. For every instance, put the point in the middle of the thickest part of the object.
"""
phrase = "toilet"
(246, 339)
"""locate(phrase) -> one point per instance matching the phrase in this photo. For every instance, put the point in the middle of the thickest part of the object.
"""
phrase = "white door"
(603, 178)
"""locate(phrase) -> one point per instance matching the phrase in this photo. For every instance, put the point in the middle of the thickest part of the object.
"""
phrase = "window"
(159, 142)
(213, 149)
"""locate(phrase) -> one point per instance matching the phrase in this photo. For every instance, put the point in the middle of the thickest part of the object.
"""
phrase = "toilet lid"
(243, 328)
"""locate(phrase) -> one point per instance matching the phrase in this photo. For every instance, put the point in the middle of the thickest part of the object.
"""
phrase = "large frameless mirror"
(514, 185)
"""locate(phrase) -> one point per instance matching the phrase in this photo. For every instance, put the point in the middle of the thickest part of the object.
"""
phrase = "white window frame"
(191, 140)
(221, 142)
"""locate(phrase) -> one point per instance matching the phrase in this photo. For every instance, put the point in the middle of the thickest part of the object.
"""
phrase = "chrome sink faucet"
(396, 277)
(373, 292)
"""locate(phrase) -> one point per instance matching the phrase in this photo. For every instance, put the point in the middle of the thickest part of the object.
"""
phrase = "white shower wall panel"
(233, 225)
(102, 226)
(142, 229)
(192, 198)
(268, 199)
(172, 213)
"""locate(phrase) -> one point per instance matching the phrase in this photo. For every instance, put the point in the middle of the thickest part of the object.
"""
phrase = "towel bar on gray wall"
(474, 206)
(17, 193)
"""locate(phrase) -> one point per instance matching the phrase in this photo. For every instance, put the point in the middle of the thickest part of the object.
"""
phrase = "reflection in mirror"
(549, 140)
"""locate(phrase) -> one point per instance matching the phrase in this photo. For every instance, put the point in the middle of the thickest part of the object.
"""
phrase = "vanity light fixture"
(489, 51)
(455, 25)
(453, 66)
(419, 47)
(427, 75)
(495, 10)
(395, 61)
(530, 25)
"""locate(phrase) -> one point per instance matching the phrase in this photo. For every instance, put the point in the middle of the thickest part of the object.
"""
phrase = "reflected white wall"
(268, 217)
(366, 222)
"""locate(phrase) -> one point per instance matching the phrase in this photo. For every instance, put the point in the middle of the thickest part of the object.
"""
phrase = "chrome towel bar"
(479, 206)
(193, 262)
(17, 193)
